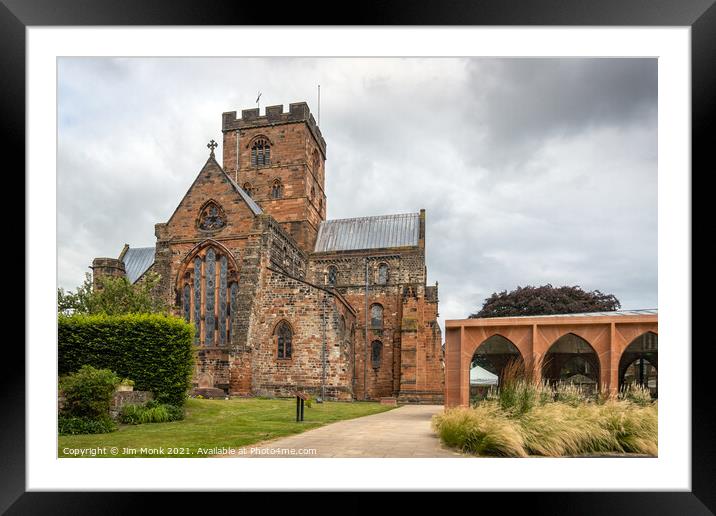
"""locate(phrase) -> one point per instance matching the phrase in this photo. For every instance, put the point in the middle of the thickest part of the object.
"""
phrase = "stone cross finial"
(212, 145)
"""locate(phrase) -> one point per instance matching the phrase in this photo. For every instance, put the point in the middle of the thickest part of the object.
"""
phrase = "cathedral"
(281, 299)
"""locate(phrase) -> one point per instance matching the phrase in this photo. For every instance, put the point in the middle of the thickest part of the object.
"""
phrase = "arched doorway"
(639, 362)
(571, 359)
(488, 364)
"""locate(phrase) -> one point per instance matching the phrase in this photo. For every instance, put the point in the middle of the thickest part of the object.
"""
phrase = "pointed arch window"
(248, 189)
(260, 153)
(284, 340)
(376, 316)
(376, 353)
(332, 276)
(209, 296)
(277, 189)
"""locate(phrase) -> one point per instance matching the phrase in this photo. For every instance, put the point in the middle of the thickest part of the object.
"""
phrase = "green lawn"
(213, 423)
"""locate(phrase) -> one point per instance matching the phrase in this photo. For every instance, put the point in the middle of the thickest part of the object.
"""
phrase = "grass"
(214, 424)
(525, 418)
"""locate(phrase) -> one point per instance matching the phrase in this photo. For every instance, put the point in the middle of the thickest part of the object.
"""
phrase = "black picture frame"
(699, 15)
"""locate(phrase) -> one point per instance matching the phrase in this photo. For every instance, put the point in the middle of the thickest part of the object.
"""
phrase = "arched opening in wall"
(208, 292)
(248, 189)
(284, 340)
(639, 362)
(376, 317)
(277, 189)
(488, 364)
(260, 153)
(571, 359)
(332, 276)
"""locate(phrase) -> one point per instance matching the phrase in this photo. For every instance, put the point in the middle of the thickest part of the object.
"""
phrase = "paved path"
(402, 432)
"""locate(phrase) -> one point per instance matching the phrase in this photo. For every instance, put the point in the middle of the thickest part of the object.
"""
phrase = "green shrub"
(88, 392)
(70, 425)
(155, 351)
(152, 412)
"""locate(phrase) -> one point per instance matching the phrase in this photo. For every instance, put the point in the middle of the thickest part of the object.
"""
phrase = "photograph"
(357, 257)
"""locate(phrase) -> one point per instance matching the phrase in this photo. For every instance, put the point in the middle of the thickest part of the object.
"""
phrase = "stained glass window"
(197, 300)
(222, 299)
(209, 299)
(332, 275)
(211, 217)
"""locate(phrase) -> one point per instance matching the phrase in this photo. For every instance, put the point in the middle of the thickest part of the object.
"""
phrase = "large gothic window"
(376, 317)
(210, 297)
(260, 153)
(284, 339)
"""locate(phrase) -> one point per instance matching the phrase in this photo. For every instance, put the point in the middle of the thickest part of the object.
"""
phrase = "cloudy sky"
(532, 171)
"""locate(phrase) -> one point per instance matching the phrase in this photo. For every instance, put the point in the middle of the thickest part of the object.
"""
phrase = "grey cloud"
(531, 171)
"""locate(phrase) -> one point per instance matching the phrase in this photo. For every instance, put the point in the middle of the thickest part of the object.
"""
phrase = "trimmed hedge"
(70, 425)
(155, 351)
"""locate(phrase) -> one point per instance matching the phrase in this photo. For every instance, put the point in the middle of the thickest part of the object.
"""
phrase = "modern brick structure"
(603, 348)
(282, 299)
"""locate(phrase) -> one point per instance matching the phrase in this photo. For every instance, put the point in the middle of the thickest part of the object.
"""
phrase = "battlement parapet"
(274, 115)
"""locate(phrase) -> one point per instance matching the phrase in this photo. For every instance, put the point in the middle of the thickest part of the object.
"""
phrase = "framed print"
(411, 250)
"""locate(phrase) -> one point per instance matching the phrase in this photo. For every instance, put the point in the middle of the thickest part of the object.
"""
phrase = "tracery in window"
(211, 217)
(284, 339)
(260, 153)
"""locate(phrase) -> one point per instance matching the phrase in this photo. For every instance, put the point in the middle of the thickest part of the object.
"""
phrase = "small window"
(260, 153)
(248, 189)
(277, 189)
(376, 353)
(376, 317)
(332, 277)
(382, 274)
(284, 338)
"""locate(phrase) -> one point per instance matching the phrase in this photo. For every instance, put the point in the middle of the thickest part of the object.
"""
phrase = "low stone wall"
(119, 400)
(122, 398)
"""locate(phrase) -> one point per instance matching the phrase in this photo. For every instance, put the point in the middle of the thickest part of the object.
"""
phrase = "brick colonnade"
(608, 334)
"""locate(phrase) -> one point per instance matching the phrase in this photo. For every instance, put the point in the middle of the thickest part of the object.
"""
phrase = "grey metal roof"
(255, 208)
(136, 262)
(368, 232)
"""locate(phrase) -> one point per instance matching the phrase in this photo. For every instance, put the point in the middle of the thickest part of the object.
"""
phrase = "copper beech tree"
(546, 300)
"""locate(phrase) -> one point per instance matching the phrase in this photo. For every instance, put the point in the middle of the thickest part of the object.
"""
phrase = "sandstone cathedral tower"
(282, 299)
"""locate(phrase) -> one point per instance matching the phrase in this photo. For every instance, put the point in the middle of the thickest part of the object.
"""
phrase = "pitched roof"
(255, 208)
(368, 232)
(136, 262)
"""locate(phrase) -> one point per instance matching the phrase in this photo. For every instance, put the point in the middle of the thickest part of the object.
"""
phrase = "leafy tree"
(114, 296)
(546, 300)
